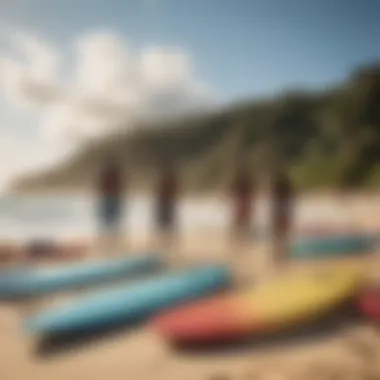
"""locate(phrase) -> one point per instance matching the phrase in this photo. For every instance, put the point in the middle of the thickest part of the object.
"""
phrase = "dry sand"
(342, 348)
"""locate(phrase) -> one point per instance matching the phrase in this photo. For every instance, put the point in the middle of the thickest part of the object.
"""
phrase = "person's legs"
(241, 223)
(103, 225)
(159, 226)
(281, 233)
(165, 224)
(110, 224)
(116, 224)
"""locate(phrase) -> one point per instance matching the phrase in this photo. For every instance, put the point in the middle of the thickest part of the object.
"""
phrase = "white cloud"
(29, 71)
(43, 60)
(101, 63)
(165, 68)
(108, 86)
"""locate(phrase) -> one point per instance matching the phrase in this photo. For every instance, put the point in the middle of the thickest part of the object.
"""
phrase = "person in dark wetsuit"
(111, 186)
(166, 199)
(242, 195)
(282, 215)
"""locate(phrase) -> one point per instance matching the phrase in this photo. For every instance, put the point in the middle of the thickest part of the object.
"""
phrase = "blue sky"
(240, 47)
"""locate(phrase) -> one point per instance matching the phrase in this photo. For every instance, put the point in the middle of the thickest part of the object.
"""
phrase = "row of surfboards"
(26, 282)
(194, 305)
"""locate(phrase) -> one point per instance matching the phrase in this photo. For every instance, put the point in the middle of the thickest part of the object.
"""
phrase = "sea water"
(27, 217)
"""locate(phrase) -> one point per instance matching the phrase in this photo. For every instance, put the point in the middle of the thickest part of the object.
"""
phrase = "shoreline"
(207, 194)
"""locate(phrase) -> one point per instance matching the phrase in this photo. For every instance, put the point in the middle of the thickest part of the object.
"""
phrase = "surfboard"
(339, 245)
(368, 303)
(127, 304)
(270, 306)
(27, 282)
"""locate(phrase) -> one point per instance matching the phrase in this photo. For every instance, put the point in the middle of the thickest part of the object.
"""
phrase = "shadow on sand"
(55, 344)
(345, 316)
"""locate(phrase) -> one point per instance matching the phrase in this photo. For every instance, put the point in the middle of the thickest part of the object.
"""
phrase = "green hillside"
(329, 139)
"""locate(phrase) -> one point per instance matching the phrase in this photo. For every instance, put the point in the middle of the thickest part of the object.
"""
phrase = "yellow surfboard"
(286, 301)
(293, 298)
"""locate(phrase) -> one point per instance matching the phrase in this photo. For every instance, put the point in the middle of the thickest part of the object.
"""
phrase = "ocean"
(46, 216)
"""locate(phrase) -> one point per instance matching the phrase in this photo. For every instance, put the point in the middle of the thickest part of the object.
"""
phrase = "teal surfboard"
(29, 282)
(332, 246)
(132, 303)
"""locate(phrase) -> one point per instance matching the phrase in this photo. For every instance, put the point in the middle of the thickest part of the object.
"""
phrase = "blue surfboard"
(131, 303)
(339, 245)
(27, 282)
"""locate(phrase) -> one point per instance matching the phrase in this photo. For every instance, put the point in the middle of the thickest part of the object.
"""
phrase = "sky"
(77, 69)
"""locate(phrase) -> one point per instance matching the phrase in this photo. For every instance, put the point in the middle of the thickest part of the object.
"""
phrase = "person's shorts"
(165, 215)
(110, 212)
(243, 214)
(282, 216)
(283, 208)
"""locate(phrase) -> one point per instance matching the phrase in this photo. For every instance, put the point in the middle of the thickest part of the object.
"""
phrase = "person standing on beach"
(242, 200)
(166, 201)
(282, 215)
(111, 187)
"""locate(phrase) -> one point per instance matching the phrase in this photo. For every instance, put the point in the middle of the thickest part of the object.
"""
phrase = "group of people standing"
(243, 191)
(113, 184)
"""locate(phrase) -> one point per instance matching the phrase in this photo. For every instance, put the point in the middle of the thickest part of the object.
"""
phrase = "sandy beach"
(342, 347)
(187, 173)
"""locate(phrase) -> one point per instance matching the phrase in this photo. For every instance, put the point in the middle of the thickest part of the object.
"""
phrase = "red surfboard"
(369, 303)
(279, 303)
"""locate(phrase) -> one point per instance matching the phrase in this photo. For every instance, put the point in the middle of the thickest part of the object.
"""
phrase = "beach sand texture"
(342, 347)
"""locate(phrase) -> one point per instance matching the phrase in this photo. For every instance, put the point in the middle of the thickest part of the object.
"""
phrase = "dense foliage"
(328, 139)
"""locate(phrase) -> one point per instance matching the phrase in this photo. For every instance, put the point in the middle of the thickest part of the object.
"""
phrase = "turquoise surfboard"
(130, 303)
(27, 282)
